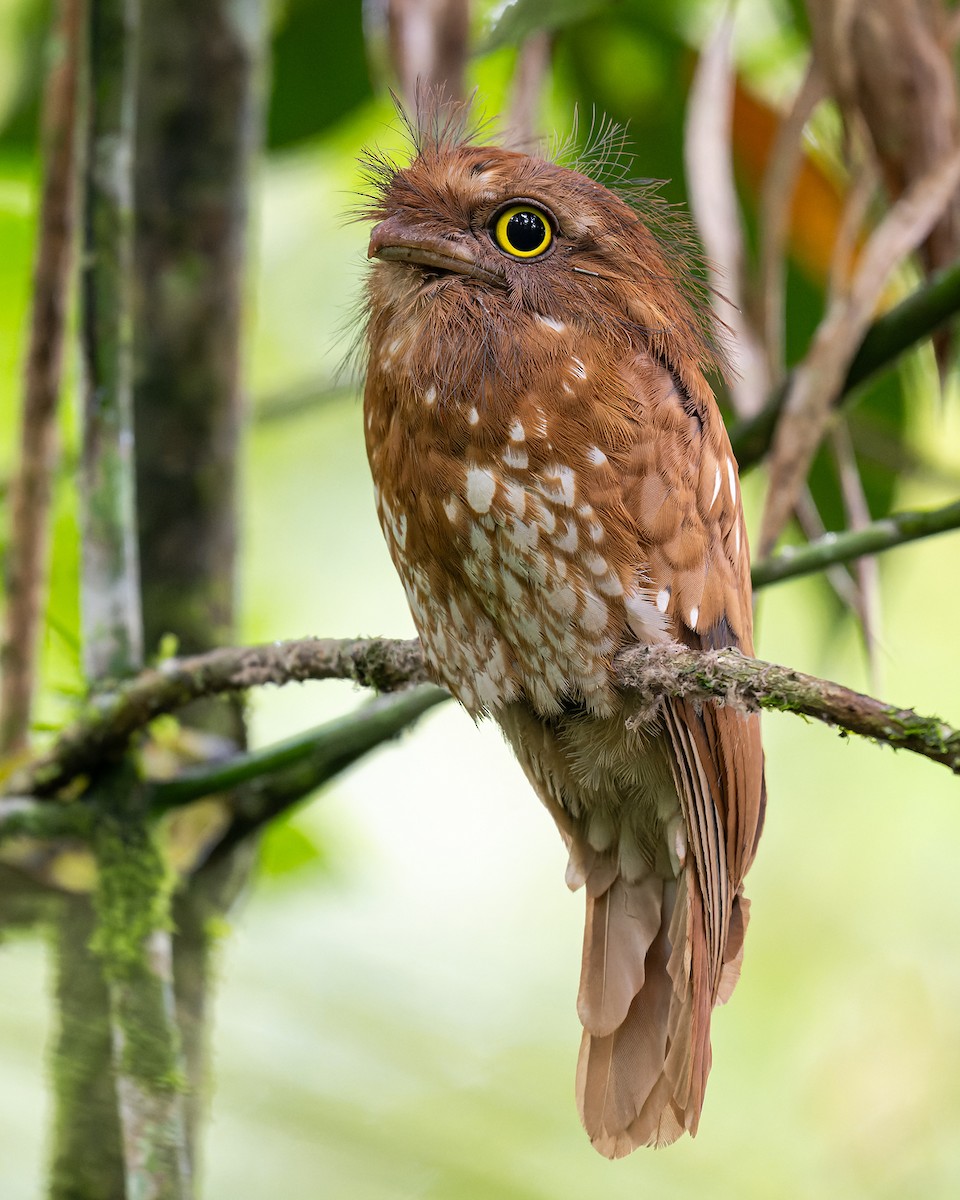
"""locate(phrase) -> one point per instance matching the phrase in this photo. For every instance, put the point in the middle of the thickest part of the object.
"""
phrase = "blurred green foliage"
(409, 1028)
(319, 70)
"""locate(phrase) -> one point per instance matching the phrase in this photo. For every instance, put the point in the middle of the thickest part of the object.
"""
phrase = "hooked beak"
(393, 240)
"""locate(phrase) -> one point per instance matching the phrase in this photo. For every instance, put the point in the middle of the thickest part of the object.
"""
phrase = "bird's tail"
(645, 1001)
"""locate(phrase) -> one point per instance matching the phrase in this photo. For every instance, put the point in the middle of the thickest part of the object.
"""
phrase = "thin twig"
(708, 163)
(333, 748)
(895, 530)
(533, 66)
(314, 756)
(32, 486)
(813, 529)
(866, 569)
(776, 200)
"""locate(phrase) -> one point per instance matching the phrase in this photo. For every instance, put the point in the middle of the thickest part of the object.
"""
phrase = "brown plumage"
(555, 483)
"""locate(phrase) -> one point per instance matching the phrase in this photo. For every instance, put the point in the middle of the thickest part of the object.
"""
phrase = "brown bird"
(555, 483)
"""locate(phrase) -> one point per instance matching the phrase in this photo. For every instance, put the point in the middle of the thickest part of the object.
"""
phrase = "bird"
(555, 484)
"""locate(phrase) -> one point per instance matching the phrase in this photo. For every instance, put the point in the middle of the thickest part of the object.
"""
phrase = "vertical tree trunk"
(199, 109)
(199, 123)
(87, 1156)
(110, 601)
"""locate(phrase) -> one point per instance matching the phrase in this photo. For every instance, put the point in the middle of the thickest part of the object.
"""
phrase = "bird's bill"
(393, 241)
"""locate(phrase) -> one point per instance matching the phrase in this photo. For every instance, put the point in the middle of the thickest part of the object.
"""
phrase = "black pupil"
(526, 231)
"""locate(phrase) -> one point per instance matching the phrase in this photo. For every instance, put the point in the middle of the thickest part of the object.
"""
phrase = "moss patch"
(132, 903)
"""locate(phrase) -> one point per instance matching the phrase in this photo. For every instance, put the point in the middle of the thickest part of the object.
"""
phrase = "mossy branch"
(723, 675)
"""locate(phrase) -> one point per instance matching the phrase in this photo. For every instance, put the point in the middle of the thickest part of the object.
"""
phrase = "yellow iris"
(522, 231)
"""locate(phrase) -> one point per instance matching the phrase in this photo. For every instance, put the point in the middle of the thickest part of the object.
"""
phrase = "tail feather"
(642, 1081)
(617, 1072)
(620, 926)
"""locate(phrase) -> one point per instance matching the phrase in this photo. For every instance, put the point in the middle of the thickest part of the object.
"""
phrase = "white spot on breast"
(563, 600)
(393, 347)
(487, 691)
(523, 536)
(570, 539)
(430, 395)
(473, 416)
(512, 590)
(716, 487)
(595, 529)
(516, 498)
(610, 585)
(738, 536)
(663, 599)
(551, 323)
(732, 480)
(694, 616)
(561, 482)
(481, 486)
(516, 432)
(595, 613)
(516, 458)
(480, 544)
(539, 422)
(546, 519)
(577, 369)
(644, 618)
(596, 563)
(400, 530)
(451, 506)
(596, 456)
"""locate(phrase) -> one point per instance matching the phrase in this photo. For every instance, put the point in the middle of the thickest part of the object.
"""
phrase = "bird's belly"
(503, 613)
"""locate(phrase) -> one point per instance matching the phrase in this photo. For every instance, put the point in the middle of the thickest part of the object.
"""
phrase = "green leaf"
(319, 69)
(288, 848)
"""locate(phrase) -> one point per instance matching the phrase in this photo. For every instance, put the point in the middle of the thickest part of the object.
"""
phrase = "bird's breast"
(506, 525)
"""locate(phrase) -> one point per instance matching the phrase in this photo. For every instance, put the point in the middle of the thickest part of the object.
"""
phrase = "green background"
(396, 1011)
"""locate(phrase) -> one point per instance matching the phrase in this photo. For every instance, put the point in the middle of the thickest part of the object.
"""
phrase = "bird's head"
(478, 228)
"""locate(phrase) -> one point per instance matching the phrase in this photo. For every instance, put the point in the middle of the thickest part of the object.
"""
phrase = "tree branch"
(751, 684)
(895, 530)
(113, 717)
(670, 670)
(289, 770)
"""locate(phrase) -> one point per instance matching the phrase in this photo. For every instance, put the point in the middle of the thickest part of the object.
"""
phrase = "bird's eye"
(522, 231)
